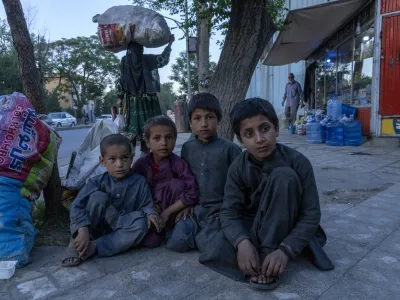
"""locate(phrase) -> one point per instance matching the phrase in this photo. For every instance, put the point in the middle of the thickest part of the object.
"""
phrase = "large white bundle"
(119, 25)
(86, 164)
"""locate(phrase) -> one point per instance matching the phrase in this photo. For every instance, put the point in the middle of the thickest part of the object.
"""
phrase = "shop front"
(356, 57)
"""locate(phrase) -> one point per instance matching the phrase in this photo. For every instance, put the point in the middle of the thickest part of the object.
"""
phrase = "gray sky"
(72, 18)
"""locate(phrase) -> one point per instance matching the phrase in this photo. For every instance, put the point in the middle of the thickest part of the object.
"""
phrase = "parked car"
(63, 119)
(104, 117)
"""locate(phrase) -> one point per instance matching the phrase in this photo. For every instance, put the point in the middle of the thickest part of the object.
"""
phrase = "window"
(363, 62)
(344, 72)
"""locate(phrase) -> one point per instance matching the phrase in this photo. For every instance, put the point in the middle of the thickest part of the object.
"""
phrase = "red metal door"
(390, 67)
(389, 6)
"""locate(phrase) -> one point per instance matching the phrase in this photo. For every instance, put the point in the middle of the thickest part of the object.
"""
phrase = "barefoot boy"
(172, 183)
(113, 211)
(271, 210)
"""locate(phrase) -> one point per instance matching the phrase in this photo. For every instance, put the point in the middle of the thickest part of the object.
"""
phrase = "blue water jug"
(335, 108)
(291, 129)
(313, 130)
(352, 132)
(323, 129)
(335, 133)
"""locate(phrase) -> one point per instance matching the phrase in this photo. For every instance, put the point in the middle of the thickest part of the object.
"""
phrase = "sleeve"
(234, 152)
(285, 95)
(184, 152)
(78, 214)
(189, 196)
(233, 206)
(146, 199)
(309, 210)
(163, 59)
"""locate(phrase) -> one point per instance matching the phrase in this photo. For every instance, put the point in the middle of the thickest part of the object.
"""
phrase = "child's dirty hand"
(187, 211)
(82, 240)
(156, 221)
(274, 264)
(248, 259)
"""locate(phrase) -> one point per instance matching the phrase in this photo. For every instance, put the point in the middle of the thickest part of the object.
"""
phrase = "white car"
(104, 117)
(63, 119)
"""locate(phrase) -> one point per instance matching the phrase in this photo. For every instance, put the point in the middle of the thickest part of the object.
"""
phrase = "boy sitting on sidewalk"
(271, 211)
(209, 158)
(172, 184)
(113, 211)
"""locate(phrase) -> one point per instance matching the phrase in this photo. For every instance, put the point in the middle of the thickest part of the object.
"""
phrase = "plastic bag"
(120, 25)
(28, 148)
(119, 121)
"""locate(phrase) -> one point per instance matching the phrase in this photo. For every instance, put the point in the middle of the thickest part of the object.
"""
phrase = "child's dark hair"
(205, 101)
(114, 139)
(157, 121)
(250, 108)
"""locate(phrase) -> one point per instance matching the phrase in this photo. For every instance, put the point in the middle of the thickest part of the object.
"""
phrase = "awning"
(308, 28)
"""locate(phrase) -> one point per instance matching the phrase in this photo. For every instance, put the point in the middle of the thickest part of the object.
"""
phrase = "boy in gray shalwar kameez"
(271, 211)
(113, 211)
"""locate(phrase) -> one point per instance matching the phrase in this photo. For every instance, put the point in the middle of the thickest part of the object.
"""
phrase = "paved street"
(359, 190)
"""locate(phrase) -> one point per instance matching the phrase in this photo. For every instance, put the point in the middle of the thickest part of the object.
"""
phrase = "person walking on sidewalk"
(293, 96)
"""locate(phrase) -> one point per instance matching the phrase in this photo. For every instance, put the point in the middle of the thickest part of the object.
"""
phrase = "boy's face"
(204, 124)
(118, 160)
(161, 141)
(258, 136)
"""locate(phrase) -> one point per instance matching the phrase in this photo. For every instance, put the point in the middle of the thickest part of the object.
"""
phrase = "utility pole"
(189, 77)
(203, 42)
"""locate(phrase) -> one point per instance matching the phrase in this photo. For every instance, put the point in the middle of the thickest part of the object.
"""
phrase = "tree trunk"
(23, 45)
(203, 51)
(250, 29)
(52, 194)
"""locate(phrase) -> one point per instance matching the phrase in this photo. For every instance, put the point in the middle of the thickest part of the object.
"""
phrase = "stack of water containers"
(352, 132)
(313, 129)
(334, 128)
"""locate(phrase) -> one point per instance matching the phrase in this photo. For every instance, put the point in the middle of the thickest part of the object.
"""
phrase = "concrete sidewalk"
(364, 243)
(359, 189)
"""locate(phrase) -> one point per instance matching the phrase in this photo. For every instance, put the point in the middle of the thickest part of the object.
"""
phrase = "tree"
(251, 26)
(109, 100)
(166, 97)
(24, 48)
(179, 72)
(51, 100)
(248, 26)
(10, 79)
(88, 68)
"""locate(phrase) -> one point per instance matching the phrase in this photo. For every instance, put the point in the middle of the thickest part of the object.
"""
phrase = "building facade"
(65, 100)
(355, 55)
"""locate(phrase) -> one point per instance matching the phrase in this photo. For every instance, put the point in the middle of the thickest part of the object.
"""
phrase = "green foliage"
(109, 100)
(10, 81)
(217, 12)
(88, 68)
(51, 100)
(179, 72)
(166, 97)
(39, 213)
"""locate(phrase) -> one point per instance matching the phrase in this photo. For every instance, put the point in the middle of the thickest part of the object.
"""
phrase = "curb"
(72, 128)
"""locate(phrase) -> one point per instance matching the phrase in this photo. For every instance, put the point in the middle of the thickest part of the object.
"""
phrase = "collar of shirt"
(209, 142)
